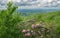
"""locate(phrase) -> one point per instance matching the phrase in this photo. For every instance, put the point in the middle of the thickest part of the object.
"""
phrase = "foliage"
(13, 25)
(51, 20)
(8, 22)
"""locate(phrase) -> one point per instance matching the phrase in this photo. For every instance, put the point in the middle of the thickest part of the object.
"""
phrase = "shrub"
(8, 22)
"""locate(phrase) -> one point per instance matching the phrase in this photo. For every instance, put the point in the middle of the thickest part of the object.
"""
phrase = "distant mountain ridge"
(36, 10)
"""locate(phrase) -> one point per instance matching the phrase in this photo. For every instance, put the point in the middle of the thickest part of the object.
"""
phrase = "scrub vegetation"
(14, 25)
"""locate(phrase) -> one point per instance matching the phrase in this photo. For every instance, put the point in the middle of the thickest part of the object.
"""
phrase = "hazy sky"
(33, 3)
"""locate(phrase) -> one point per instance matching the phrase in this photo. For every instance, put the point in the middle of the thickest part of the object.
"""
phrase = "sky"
(31, 3)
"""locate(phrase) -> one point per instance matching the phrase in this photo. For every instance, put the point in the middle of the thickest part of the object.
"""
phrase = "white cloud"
(34, 3)
(14, 0)
(25, 0)
(49, 1)
(58, 2)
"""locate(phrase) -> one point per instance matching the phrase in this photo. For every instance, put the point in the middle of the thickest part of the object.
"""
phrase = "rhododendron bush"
(36, 31)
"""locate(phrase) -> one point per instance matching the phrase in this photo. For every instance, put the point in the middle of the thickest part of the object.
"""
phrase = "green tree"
(8, 22)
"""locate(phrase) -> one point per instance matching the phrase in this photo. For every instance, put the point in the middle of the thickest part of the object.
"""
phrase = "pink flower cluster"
(37, 29)
(28, 32)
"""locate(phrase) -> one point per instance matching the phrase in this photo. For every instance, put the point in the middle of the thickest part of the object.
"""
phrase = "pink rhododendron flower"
(33, 26)
(24, 31)
(27, 34)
